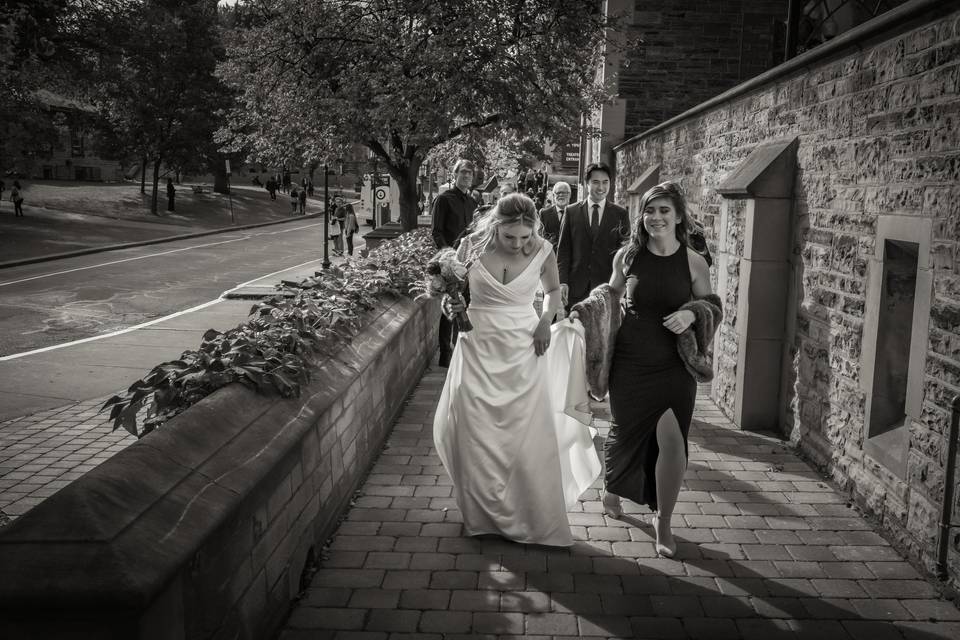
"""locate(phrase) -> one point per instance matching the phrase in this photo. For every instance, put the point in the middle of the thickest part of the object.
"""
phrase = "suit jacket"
(585, 263)
(452, 213)
(550, 218)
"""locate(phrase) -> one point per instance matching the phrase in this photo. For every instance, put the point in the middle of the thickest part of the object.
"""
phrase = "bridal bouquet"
(446, 275)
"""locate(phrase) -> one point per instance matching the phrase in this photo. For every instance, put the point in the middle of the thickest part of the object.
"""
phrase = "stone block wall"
(203, 528)
(878, 125)
(692, 52)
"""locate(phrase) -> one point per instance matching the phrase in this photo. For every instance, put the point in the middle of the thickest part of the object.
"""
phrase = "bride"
(512, 424)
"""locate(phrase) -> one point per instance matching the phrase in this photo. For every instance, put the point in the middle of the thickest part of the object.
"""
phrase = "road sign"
(227, 161)
(381, 193)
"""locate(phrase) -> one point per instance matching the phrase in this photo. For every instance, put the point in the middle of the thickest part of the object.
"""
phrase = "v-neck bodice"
(487, 291)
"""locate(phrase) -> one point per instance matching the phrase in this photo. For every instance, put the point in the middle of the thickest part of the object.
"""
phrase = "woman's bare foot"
(665, 546)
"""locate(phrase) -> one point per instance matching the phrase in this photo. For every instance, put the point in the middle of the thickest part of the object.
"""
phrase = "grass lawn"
(124, 201)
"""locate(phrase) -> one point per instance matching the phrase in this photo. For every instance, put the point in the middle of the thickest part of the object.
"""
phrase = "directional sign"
(381, 193)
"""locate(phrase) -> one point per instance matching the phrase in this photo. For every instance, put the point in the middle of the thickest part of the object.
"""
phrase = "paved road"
(56, 302)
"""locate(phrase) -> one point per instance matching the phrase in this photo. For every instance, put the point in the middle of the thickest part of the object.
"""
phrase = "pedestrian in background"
(171, 194)
(16, 196)
(350, 223)
(272, 187)
(339, 221)
(552, 216)
(303, 201)
(294, 201)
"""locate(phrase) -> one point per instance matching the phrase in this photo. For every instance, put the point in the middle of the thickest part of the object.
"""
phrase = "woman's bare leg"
(671, 465)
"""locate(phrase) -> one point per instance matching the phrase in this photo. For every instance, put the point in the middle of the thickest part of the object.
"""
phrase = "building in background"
(693, 52)
(72, 154)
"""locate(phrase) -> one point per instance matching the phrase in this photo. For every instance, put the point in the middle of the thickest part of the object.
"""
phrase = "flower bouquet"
(446, 275)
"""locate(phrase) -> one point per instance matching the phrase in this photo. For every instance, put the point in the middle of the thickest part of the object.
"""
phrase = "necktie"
(595, 221)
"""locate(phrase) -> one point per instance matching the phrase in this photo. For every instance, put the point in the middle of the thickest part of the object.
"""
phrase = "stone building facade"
(690, 53)
(830, 191)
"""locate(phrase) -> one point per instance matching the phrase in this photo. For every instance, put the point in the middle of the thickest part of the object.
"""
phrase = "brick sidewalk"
(43, 452)
(767, 550)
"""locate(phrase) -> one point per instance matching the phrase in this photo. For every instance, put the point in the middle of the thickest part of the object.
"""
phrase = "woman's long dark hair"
(639, 236)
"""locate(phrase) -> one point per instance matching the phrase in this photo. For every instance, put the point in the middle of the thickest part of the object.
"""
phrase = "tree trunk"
(143, 175)
(406, 179)
(156, 182)
(220, 176)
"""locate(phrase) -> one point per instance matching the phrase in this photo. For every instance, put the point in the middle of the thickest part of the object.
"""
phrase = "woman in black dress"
(651, 392)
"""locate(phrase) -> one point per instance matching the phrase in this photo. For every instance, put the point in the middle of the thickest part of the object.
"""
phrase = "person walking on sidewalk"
(506, 428)
(272, 187)
(303, 201)
(16, 196)
(652, 390)
(590, 235)
(294, 201)
(452, 213)
(350, 223)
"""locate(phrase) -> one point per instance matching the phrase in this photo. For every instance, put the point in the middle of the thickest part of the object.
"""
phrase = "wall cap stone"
(768, 172)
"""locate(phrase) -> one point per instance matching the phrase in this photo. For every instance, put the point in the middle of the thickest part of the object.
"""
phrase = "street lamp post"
(326, 217)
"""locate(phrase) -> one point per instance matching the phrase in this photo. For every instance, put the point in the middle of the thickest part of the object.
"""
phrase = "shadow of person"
(612, 584)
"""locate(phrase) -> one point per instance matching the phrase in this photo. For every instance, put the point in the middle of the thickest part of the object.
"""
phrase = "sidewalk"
(51, 431)
(767, 550)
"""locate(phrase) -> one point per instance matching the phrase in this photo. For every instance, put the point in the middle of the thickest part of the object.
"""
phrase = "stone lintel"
(768, 172)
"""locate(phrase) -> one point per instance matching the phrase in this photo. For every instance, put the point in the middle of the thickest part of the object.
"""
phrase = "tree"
(404, 76)
(155, 83)
(29, 34)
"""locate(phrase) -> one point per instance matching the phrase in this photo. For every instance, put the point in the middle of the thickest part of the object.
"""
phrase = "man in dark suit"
(552, 216)
(591, 232)
(452, 212)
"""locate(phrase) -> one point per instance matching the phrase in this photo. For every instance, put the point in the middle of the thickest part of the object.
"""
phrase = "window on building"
(898, 296)
(76, 142)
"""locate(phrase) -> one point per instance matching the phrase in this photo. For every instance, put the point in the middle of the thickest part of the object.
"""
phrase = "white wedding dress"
(512, 428)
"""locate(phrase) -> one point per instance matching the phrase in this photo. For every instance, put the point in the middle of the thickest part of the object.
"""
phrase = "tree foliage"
(275, 349)
(404, 76)
(155, 82)
(30, 33)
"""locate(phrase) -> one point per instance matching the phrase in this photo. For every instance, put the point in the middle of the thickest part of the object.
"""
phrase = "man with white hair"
(552, 216)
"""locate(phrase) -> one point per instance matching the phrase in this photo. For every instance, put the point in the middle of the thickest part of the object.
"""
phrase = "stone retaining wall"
(203, 528)
(878, 125)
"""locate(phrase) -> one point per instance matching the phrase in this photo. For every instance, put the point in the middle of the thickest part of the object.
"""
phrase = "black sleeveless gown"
(647, 376)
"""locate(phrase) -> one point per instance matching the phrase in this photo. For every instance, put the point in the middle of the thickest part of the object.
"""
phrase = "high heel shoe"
(662, 550)
(611, 505)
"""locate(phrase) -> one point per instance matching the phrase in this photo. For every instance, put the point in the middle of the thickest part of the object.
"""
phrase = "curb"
(142, 243)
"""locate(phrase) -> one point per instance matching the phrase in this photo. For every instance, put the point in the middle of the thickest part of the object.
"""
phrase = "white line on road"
(247, 236)
(149, 323)
(296, 266)
(108, 335)
(107, 264)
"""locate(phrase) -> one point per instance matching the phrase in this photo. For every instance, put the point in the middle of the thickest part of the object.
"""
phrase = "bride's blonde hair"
(510, 209)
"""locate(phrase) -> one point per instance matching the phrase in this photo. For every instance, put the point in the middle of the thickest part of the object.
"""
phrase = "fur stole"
(600, 315)
(693, 344)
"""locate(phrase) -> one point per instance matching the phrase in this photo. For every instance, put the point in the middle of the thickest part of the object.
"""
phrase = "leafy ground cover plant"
(274, 350)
